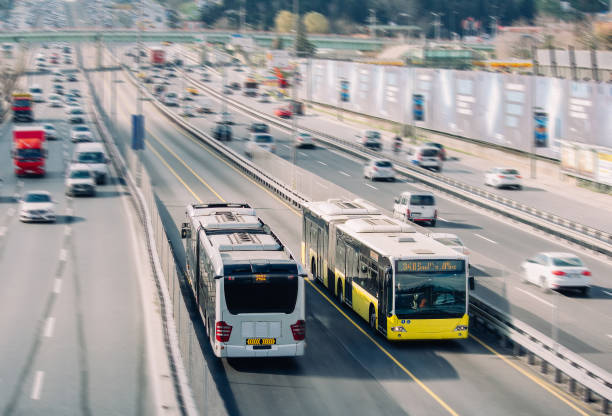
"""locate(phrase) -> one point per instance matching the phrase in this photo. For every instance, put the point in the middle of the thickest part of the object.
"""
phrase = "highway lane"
(533, 194)
(70, 308)
(497, 251)
(339, 354)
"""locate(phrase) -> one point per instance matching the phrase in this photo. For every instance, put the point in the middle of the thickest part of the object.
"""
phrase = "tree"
(284, 21)
(304, 46)
(527, 10)
(316, 23)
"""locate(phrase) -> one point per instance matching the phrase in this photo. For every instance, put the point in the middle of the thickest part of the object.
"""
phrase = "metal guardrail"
(577, 370)
(597, 240)
(179, 379)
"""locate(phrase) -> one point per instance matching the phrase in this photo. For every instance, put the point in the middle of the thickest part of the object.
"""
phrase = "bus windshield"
(430, 291)
(21, 102)
(29, 153)
(261, 294)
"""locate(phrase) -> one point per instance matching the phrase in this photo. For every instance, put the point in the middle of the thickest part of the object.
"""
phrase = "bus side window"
(340, 256)
(372, 286)
(363, 274)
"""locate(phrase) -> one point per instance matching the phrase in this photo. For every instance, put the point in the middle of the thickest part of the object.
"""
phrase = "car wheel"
(519, 187)
(392, 179)
(433, 223)
(585, 291)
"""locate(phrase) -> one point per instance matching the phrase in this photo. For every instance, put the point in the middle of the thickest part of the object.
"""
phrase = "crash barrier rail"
(162, 264)
(589, 237)
(581, 375)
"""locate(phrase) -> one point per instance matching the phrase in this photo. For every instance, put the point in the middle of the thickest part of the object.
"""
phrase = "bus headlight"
(398, 329)
(461, 328)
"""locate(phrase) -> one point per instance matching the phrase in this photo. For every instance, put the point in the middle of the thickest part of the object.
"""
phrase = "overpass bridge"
(263, 39)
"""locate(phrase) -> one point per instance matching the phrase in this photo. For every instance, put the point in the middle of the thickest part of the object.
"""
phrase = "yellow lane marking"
(186, 166)
(552, 390)
(386, 352)
(176, 175)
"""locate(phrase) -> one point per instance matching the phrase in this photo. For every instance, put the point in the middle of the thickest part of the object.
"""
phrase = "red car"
(282, 112)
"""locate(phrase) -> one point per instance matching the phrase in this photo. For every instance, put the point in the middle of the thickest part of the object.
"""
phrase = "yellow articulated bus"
(404, 284)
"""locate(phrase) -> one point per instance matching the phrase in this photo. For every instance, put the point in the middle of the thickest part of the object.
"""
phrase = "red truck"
(158, 57)
(29, 150)
(22, 104)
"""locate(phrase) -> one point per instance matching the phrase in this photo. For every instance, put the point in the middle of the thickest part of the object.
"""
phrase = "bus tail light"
(299, 330)
(222, 331)
(558, 272)
(408, 213)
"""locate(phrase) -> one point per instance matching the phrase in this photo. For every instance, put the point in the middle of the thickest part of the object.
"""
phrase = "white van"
(427, 157)
(416, 206)
(94, 156)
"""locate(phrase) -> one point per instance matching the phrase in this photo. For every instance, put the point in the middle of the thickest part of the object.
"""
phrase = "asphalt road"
(472, 174)
(497, 249)
(346, 370)
(70, 309)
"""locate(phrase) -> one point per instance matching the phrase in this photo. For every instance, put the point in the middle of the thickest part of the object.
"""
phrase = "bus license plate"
(261, 341)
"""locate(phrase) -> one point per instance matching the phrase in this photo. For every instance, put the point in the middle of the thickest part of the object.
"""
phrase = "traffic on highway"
(182, 233)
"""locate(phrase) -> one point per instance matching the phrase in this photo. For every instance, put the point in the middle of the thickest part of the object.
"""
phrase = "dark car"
(222, 132)
(159, 89)
(234, 86)
(259, 128)
(71, 78)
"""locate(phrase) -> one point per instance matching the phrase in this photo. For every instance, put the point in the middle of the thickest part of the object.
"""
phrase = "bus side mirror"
(185, 230)
(472, 282)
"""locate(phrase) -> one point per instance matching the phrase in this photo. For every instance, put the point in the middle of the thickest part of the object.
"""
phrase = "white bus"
(248, 286)
(404, 284)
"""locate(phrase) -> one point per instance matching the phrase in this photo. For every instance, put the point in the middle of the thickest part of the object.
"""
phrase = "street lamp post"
(294, 124)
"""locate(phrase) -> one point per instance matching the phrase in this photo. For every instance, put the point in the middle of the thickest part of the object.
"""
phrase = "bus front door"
(384, 279)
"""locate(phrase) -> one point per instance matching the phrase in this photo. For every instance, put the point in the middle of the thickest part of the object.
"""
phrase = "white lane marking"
(57, 286)
(284, 145)
(550, 305)
(609, 335)
(344, 173)
(37, 387)
(2, 230)
(485, 238)
(63, 256)
(607, 293)
(442, 219)
(68, 230)
(49, 325)
(323, 163)
(303, 154)
(372, 186)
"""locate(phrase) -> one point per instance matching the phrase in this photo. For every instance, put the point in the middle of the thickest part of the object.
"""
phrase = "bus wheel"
(372, 317)
(339, 292)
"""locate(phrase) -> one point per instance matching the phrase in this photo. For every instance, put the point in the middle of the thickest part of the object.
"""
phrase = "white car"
(256, 142)
(553, 270)
(37, 206)
(50, 132)
(187, 111)
(452, 241)
(170, 99)
(81, 133)
(55, 101)
(224, 117)
(370, 139)
(427, 157)
(264, 98)
(80, 180)
(94, 156)
(379, 169)
(304, 140)
(37, 94)
(503, 178)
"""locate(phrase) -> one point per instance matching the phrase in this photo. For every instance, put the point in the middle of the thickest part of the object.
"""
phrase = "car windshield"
(37, 198)
(438, 145)
(91, 157)
(171, 95)
(567, 262)
(263, 139)
(429, 292)
(429, 152)
(76, 111)
(449, 241)
(80, 174)
(35, 90)
(427, 200)
(81, 128)
(510, 172)
(370, 134)
(49, 127)
(384, 164)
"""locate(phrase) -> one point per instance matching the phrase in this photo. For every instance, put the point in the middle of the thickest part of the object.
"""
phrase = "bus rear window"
(261, 294)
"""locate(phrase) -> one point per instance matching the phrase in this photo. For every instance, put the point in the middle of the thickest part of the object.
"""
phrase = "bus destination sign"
(430, 266)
